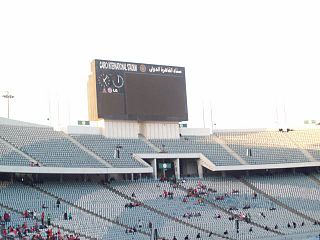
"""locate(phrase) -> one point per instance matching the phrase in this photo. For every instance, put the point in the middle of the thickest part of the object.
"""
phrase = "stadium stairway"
(91, 153)
(65, 230)
(304, 151)
(165, 214)
(88, 211)
(230, 213)
(276, 201)
(19, 151)
(313, 178)
(150, 144)
(229, 150)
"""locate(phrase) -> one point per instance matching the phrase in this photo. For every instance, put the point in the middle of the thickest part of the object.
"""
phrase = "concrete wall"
(192, 168)
(127, 129)
(121, 129)
(83, 130)
(160, 129)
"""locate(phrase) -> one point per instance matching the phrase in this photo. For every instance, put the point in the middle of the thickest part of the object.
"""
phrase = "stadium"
(132, 171)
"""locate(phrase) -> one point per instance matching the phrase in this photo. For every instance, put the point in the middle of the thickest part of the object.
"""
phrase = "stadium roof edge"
(8, 121)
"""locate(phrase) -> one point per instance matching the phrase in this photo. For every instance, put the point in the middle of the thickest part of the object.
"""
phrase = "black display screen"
(134, 91)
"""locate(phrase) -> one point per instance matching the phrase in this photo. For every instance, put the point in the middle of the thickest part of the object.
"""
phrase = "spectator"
(70, 216)
(140, 223)
(6, 217)
(210, 234)
(186, 237)
(65, 216)
(174, 238)
(255, 195)
(58, 203)
(198, 235)
(225, 232)
(247, 218)
(247, 206)
(4, 233)
(49, 219)
(42, 218)
(276, 226)
(235, 191)
(133, 195)
(165, 193)
(26, 214)
(250, 229)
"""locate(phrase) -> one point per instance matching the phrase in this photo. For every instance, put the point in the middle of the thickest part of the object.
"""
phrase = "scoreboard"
(137, 91)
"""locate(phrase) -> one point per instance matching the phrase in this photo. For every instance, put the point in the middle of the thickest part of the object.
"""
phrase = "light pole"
(8, 96)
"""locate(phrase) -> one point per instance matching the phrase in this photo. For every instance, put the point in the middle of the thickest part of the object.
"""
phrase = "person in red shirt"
(6, 217)
(49, 232)
(24, 225)
(165, 193)
(42, 218)
(25, 214)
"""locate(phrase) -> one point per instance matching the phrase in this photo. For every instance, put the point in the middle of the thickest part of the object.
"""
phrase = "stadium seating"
(48, 147)
(106, 203)
(10, 157)
(152, 193)
(99, 210)
(82, 222)
(308, 140)
(106, 147)
(263, 147)
(191, 144)
(296, 191)
(102, 211)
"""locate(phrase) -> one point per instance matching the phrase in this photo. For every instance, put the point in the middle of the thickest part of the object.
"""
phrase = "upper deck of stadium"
(26, 145)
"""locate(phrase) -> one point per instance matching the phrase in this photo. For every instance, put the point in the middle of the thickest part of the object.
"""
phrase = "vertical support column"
(177, 168)
(200, 169)
(132, 178)
(247, 173)
(223, 174)
(293, 171)
(154, 166)
(12, 177)
(61, 178)
(140, 176)
(85, 177)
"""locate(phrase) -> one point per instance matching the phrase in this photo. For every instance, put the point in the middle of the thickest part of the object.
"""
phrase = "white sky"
(255, 62)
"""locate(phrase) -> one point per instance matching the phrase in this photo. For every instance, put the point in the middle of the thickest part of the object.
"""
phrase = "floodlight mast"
(8, 96)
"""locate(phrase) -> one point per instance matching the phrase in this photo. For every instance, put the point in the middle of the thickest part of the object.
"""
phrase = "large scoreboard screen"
(136, 91)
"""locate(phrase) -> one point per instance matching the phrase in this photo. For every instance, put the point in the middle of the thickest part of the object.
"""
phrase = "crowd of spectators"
(132, 204)
(19, 228)
(36, 231)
